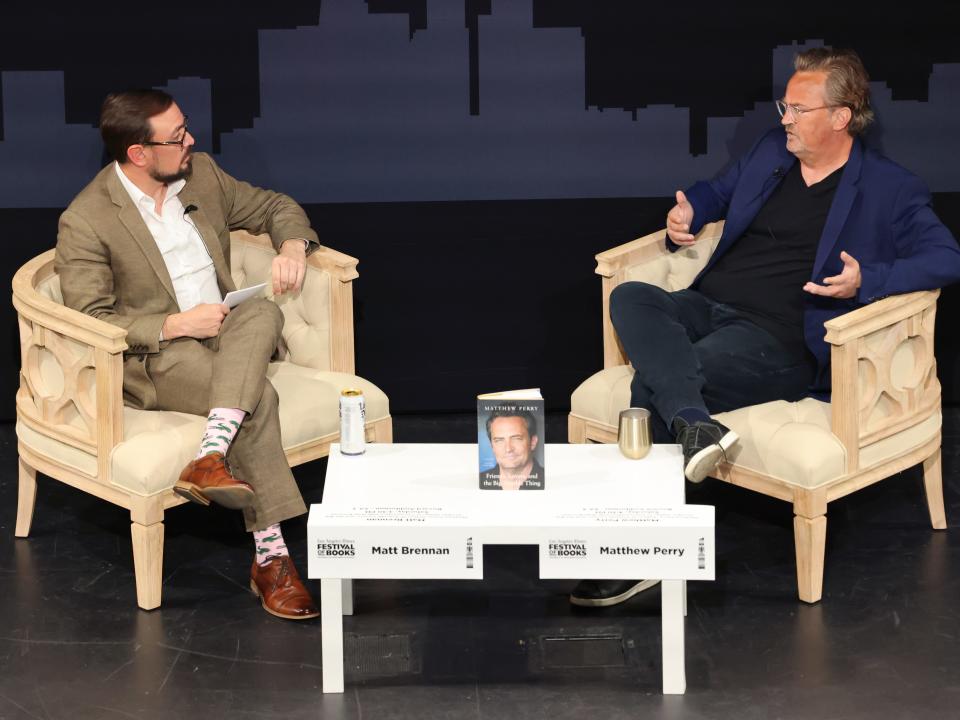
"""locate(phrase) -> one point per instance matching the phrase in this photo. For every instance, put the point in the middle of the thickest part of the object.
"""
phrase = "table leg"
(672, 602)
(331, 633)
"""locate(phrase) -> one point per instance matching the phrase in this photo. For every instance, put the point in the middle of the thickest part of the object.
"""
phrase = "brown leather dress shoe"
(207, 480)
(281, 591)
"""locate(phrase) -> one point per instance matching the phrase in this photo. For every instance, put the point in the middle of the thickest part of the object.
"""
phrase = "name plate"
(598, 543)
(393, 542)
(585, 542)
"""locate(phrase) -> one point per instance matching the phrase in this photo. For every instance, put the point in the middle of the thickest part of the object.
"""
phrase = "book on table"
(510, 438)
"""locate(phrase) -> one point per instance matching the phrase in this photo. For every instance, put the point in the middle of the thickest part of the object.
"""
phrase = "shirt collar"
(139, 196)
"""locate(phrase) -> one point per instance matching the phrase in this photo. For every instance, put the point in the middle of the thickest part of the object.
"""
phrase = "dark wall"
(474, 154)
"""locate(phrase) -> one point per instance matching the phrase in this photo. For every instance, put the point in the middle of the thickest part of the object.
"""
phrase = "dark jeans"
(690, 352)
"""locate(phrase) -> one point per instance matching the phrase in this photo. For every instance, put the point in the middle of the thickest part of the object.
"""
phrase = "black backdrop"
(429, 330)
(465, 286)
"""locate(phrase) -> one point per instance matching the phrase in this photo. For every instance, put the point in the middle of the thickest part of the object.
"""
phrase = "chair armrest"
(341, 267)
(884, 373)
(342, 270)
(865, 320)
(71, 369)
(59, 318)
(635, 252)
(648, 259)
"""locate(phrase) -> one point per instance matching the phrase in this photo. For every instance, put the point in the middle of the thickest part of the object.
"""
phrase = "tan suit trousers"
(229, 371)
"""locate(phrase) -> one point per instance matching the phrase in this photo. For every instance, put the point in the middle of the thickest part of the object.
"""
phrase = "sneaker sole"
(706, 461)
(615, 599)
(263, 604)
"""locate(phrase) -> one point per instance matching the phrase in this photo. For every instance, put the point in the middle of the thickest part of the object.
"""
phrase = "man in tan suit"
(146, 246)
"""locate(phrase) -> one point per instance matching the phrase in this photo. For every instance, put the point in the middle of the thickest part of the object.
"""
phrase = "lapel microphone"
(186, 211)
(777, 174)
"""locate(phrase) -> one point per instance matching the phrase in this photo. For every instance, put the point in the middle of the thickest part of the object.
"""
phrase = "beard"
(182, 174)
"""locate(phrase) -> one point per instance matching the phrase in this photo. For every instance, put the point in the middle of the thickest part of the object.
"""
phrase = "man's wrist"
(168, 329)
(306, 243)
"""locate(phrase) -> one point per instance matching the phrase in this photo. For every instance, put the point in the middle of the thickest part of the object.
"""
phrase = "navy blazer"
(880, 215)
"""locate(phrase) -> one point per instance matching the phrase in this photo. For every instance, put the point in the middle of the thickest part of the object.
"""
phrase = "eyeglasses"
(177, 143)
(795, 112)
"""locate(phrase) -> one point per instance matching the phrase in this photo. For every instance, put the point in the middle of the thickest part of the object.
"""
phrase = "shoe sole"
(235, 498)
(706, 461)
(263, 604)
(616, 599)
(190, 491)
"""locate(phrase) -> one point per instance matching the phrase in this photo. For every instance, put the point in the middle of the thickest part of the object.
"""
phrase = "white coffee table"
(416, 512)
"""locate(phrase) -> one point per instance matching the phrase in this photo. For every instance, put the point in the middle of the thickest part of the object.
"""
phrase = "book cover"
(510, 437)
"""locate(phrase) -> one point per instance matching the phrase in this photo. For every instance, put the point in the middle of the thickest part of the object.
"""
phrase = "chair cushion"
(788, 441)
(306, 314)
(157, 444)
(310, 401)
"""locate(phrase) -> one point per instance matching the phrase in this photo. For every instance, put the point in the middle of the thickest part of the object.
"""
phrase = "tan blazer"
(111, 268)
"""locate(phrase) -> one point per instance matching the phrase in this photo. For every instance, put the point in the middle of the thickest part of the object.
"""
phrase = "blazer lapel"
(129, 216)
(209, 236)
(839, 210)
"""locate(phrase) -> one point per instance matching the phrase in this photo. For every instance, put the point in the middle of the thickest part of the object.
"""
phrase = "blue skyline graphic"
(356, 110)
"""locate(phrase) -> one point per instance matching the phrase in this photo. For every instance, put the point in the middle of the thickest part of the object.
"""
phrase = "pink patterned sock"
(269, 543)
(222, 426)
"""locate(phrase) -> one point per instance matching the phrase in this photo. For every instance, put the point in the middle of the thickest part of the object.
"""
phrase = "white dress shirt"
(186, 257)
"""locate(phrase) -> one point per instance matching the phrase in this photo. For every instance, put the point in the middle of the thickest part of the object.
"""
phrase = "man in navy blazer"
(880, 230)
(816, 225)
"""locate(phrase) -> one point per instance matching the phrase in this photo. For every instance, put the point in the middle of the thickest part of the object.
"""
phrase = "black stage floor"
(883, 643)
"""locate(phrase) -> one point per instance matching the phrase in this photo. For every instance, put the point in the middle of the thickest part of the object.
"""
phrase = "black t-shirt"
(763, 273)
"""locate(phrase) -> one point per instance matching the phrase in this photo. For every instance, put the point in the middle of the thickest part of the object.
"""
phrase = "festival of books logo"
(563, 549)
(330, 549)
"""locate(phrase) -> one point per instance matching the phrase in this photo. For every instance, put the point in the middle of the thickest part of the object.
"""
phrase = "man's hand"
(844, 285)
(289, 266)
(678, 221)
(201, 321)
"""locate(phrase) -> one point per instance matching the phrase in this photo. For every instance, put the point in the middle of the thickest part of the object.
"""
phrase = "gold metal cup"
(633, 435)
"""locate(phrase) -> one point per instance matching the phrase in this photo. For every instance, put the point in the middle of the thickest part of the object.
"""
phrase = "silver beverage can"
(353, 415)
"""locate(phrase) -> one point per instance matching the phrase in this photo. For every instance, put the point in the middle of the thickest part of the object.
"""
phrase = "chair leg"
(933, 489)
(576, 430)
(148, 563)
(26, 499)
(810, 537)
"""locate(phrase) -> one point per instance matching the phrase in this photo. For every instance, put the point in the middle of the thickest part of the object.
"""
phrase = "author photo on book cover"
(515, 441)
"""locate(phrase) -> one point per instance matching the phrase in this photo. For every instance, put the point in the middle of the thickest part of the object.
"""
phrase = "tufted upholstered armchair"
(72, 424)
(883, 415)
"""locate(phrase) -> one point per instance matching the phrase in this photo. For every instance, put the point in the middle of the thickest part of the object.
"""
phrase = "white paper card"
(232, 299)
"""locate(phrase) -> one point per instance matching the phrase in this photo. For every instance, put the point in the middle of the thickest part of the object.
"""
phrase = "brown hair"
(511, 410)
(125, 119)
(848, 84)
